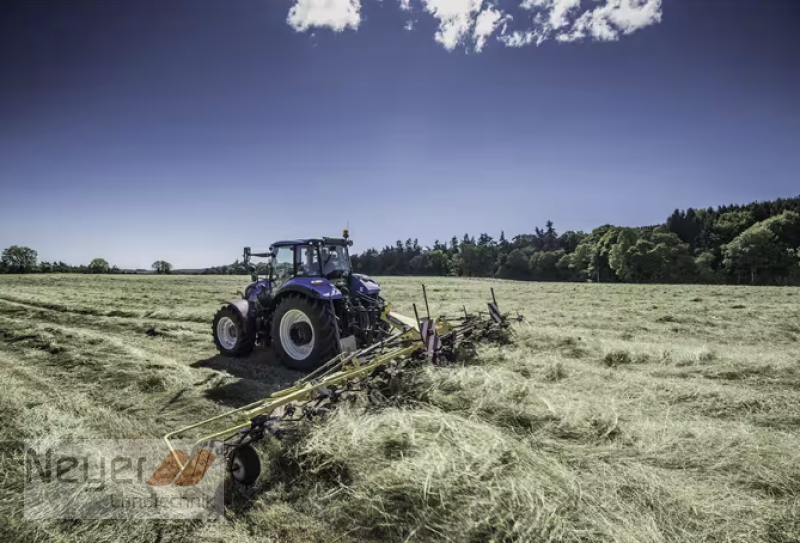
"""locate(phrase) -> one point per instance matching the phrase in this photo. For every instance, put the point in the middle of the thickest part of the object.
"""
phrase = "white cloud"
(455, 19)
(615, 18)
(334, 14)
(487, 22)
(518, 39)
(558, 10)
(559, 14)
(473, 22)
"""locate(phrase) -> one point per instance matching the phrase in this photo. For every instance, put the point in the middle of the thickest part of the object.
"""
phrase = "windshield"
(307, 260)
(326, 260)
(335, 260)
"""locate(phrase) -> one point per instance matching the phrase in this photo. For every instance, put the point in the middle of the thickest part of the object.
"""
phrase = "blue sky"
(185, 130)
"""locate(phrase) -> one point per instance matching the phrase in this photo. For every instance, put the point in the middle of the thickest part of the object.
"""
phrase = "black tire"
(322, 323)
(244, 465)
(245, 333)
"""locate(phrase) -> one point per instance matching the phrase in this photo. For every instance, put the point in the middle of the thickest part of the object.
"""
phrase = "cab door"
(282, 265)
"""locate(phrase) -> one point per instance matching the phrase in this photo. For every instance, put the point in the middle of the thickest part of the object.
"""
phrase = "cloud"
(471, 23)
(518, 39)
(334, 14)
(558, 10)
(456, 17)
(486, 23)
(615, 18)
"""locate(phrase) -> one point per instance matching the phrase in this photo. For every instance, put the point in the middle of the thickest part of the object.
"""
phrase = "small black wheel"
(304, 333)
(244, 465)
(466, 352)
(232, 335)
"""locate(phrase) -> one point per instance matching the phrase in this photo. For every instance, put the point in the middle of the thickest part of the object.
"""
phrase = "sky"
(184, 130)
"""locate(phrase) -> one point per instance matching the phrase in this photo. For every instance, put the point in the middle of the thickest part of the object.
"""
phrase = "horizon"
(185, 131)
(443, 239)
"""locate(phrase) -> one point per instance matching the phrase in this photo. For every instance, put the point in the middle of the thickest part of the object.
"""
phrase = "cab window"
(307, 259)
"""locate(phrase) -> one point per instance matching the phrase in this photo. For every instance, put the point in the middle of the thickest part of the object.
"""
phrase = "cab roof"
(311, 241)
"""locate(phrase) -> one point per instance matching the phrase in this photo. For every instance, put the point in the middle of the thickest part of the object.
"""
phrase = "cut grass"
(624, 413)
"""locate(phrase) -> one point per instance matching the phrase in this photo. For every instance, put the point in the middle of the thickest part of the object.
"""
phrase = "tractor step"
(348, 344)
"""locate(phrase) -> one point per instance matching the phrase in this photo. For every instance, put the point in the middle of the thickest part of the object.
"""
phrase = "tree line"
(21, 259)
(757, 243)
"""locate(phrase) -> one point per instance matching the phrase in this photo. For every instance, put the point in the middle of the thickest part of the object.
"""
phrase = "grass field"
(622, 413)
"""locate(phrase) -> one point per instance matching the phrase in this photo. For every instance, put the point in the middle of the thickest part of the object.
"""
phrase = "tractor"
(310, 306)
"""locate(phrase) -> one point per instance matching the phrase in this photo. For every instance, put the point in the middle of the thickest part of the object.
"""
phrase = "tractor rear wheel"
(233, 336)
(304, 333)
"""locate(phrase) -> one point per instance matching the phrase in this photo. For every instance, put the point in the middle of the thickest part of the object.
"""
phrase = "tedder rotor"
(408, 341)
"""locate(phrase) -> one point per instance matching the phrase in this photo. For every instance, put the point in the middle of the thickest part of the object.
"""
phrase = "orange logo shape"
(192, 473)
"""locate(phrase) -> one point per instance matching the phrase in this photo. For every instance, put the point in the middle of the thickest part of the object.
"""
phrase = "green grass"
(621, 413)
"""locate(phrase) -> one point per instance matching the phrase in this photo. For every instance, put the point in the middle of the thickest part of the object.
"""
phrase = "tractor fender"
(242, 306)
(308, 292)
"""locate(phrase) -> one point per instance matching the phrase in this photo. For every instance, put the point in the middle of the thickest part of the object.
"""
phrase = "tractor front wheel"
(233, 336)
(304, 333)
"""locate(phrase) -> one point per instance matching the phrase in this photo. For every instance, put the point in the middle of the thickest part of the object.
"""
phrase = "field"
(623, 413)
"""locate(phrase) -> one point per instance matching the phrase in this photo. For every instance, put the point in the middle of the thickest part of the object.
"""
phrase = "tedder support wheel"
(244, 465)
(304, 332)
(232, 336)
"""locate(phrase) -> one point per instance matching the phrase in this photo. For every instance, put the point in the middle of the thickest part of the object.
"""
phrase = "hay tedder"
(367, 372)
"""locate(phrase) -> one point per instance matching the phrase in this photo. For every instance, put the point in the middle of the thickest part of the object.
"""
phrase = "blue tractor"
(310, 306)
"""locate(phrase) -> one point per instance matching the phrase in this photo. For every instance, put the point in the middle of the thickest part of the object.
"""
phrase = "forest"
(758, 243)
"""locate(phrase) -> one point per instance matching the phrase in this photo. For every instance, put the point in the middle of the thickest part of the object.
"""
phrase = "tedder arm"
(416, 339)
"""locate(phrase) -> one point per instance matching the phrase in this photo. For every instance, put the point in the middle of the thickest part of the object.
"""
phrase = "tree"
(549, 237)
(729, 225)
(618, 255)
(584, 260)
(705, 266)
(162, 266)
(766, 248)
(752, 250)
(19, 259)
(570, 240)
(99, 265)
(420, 264)
(564, 267)
(503, 242)
(439, 262)
(515, 267)
(543, 265)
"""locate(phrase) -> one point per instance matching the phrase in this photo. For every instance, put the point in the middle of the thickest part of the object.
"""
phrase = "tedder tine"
(425, 295)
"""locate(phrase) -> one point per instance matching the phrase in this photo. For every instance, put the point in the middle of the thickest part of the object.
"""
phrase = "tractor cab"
(318, 257)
